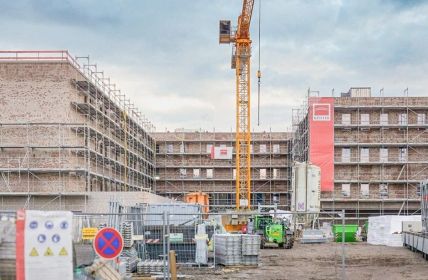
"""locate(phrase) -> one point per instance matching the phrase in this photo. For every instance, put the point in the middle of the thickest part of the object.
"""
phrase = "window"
(258, 198)
(196, 172)
(169, 148)
(263, 148)
(383, 155)
(275, 173)
(209, 173)
(183, 172)
(251, 149)
(365, 119)
(234, 173)
(364, 155)
(383, 190)
(263, 173)
(209, 147)
(402, 154)
(346, 155)
(346, 190)
(384, 119)
(276, 149)
(275, 198)
(365, 190)
(346, 119)
(157, 148)
(182, 148)
(402, 118)
(421, 118)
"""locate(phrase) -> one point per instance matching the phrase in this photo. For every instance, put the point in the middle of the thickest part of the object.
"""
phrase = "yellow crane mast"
(241, 63)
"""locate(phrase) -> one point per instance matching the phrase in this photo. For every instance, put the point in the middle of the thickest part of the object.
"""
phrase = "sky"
(165, 56)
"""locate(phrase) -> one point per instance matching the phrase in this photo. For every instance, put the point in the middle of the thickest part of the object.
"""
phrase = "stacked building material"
(386, 230)
(250, 249)
(313, 236)
(127, 232)
(228, 248)
(129, 256)
(148, 267)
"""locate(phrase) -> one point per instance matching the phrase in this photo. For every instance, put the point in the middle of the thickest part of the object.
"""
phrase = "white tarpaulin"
(386, 230)
(221, 152)
(48, 245)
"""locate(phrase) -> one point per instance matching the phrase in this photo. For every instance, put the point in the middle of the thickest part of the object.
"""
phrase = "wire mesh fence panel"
(7, 245)
(198, 239)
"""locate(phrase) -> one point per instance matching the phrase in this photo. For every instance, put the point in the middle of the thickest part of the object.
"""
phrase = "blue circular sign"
(56, 238)
(33, 224)
(49, 224)
(41, 238)
(64, 225)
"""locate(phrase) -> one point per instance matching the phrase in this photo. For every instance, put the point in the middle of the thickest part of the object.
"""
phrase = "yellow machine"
(241, 63)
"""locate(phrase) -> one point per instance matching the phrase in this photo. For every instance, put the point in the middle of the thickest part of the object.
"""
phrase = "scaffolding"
(105, 145)
(184, 165)
(379, 182)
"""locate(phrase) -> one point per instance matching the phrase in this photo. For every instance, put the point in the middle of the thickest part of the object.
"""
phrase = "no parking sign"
(108, 243)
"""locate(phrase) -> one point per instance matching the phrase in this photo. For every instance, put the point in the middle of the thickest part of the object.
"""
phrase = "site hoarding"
(321, 138)
(44, 245)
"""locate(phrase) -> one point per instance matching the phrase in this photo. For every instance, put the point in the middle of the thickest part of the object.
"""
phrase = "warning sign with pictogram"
(108, 243)
(63, 252)
(89, 233)
(48, 252)
(34, 253)
(47, 241)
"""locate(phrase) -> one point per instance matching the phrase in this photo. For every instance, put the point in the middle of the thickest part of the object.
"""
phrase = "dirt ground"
(323, 261)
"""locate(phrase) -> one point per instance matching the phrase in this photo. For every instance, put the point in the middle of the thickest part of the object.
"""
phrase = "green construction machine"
(274, 232)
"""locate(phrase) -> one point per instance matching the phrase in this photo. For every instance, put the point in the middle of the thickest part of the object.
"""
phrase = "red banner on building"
(321, 138)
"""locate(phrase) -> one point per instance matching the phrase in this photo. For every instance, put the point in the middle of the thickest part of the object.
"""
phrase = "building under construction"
(192, 161)
(66, 130)
(373, 151)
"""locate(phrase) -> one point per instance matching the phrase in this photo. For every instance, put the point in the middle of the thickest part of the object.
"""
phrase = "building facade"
(186, 162)
(66, 130)
(380, 149)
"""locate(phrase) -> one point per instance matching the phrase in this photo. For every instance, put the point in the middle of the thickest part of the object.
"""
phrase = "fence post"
(168, 231)
(213, 242)
(164, 244)
(343, 245)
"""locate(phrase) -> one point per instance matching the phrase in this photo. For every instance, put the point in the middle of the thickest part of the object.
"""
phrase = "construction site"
(90, 189)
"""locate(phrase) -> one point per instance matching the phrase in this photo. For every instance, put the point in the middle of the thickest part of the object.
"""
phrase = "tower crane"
(241, 54)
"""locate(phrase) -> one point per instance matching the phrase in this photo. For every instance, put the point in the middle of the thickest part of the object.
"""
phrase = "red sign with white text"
(321, 138)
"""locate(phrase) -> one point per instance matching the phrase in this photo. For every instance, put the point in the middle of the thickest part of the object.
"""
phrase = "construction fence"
(199, 240)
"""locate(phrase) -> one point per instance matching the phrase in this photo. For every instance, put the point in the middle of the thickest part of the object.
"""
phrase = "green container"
(350, 233)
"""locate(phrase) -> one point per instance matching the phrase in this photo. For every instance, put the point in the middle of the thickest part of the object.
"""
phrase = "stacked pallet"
(228, 249)
(148, 267)
(250, 249)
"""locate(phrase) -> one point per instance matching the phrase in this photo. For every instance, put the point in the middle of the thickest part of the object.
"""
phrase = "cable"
(259, 74)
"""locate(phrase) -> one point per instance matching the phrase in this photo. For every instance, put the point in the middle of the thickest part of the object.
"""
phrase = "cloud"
(165, 54)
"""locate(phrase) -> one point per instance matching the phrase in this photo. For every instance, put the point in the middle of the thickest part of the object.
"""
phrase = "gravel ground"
(323, 261)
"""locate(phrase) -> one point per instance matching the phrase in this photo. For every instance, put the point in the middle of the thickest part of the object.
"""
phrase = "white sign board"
(48, 245)
(221, 152)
